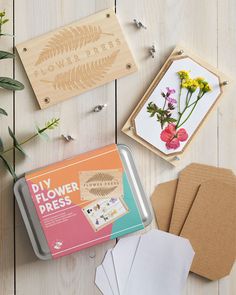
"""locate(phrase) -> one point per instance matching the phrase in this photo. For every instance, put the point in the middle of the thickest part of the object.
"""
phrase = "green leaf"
(16, 143)
(10, 84)
(5, 54)
(50, 125)
(5, 21)
(152, 108)
(3, 112)
(20, 149)
(161, 112)
(2, 13)
(43, 135)
(171, 120)
(53, 123)
(1, 146)
(4, 34)
(9, 167)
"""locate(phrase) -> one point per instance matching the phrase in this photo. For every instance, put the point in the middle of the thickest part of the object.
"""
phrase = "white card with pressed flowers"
(177, 106)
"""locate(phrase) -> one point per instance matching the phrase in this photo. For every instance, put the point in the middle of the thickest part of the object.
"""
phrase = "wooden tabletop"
(206, 26)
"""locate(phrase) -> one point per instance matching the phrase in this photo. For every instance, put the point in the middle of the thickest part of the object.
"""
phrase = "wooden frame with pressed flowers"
(176, 104)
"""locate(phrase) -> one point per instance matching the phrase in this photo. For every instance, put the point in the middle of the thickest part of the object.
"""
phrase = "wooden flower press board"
(131, 127)
(76, 58)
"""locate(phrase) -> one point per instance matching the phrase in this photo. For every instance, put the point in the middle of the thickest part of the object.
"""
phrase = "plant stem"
(198, 98)
(1, 24)
(188, 115)
(40, 131)
(180, 92)
(180, 116)
(200, 95)
(189, 98)
(186, 100)
(23, 142)
(164, 104)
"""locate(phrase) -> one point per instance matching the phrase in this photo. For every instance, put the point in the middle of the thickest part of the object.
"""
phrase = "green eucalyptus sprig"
(6, 82)
(3, 20)
(50, 125)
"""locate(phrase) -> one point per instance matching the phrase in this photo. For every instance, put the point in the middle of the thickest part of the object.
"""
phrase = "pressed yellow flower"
(185, 83)
(200, 81)
(190, 84)
(184, 75)
(203, 85)
(194, 85)
(207, 88)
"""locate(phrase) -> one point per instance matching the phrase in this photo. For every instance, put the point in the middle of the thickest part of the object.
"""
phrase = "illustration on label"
(101, 184)
(105, 211)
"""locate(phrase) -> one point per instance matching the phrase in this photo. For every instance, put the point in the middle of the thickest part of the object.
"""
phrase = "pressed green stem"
(180, 92)
(164, 104)
(198, 98)
(200, 95)
(181, 113)
(190, 96)
(186, 99)
(180, 116)
(188, 115)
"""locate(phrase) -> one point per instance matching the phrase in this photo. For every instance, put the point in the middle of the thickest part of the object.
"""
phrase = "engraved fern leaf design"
(102, 192)
(100, 177)
(69, 39)
(83, 76)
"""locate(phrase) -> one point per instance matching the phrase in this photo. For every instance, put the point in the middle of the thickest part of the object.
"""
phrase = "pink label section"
(67, 230)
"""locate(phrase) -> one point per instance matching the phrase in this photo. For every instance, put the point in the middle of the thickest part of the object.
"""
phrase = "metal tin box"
(31, 216)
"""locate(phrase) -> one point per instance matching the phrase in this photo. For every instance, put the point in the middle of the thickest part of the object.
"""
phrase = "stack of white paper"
(153, 263)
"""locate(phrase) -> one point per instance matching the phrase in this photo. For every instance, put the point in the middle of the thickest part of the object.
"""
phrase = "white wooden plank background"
(206, 26)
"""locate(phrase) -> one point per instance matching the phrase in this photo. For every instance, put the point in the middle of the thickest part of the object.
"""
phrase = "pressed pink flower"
(170, 91)
(171, 100)
(173, 137)
(173, 144)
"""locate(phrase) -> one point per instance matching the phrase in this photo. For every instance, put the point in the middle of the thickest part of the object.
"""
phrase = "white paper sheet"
(123, 257)
(153, 263)
(161, 265)
(109, 269)
(149, 129)
(102, 282)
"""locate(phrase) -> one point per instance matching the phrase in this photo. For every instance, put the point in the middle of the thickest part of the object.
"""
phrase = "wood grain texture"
(73, 274)
(6, 194)
(208, 27)
(226, 112)
(76, 58)
(169, 23)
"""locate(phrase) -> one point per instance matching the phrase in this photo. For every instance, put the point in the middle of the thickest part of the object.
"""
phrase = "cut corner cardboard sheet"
(162, 201)
(76, 58)
(201, 206)
(188, 184)
(211, 228)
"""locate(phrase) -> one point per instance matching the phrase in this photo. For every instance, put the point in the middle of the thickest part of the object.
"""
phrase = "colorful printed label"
(101, 184)
(84, 201)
